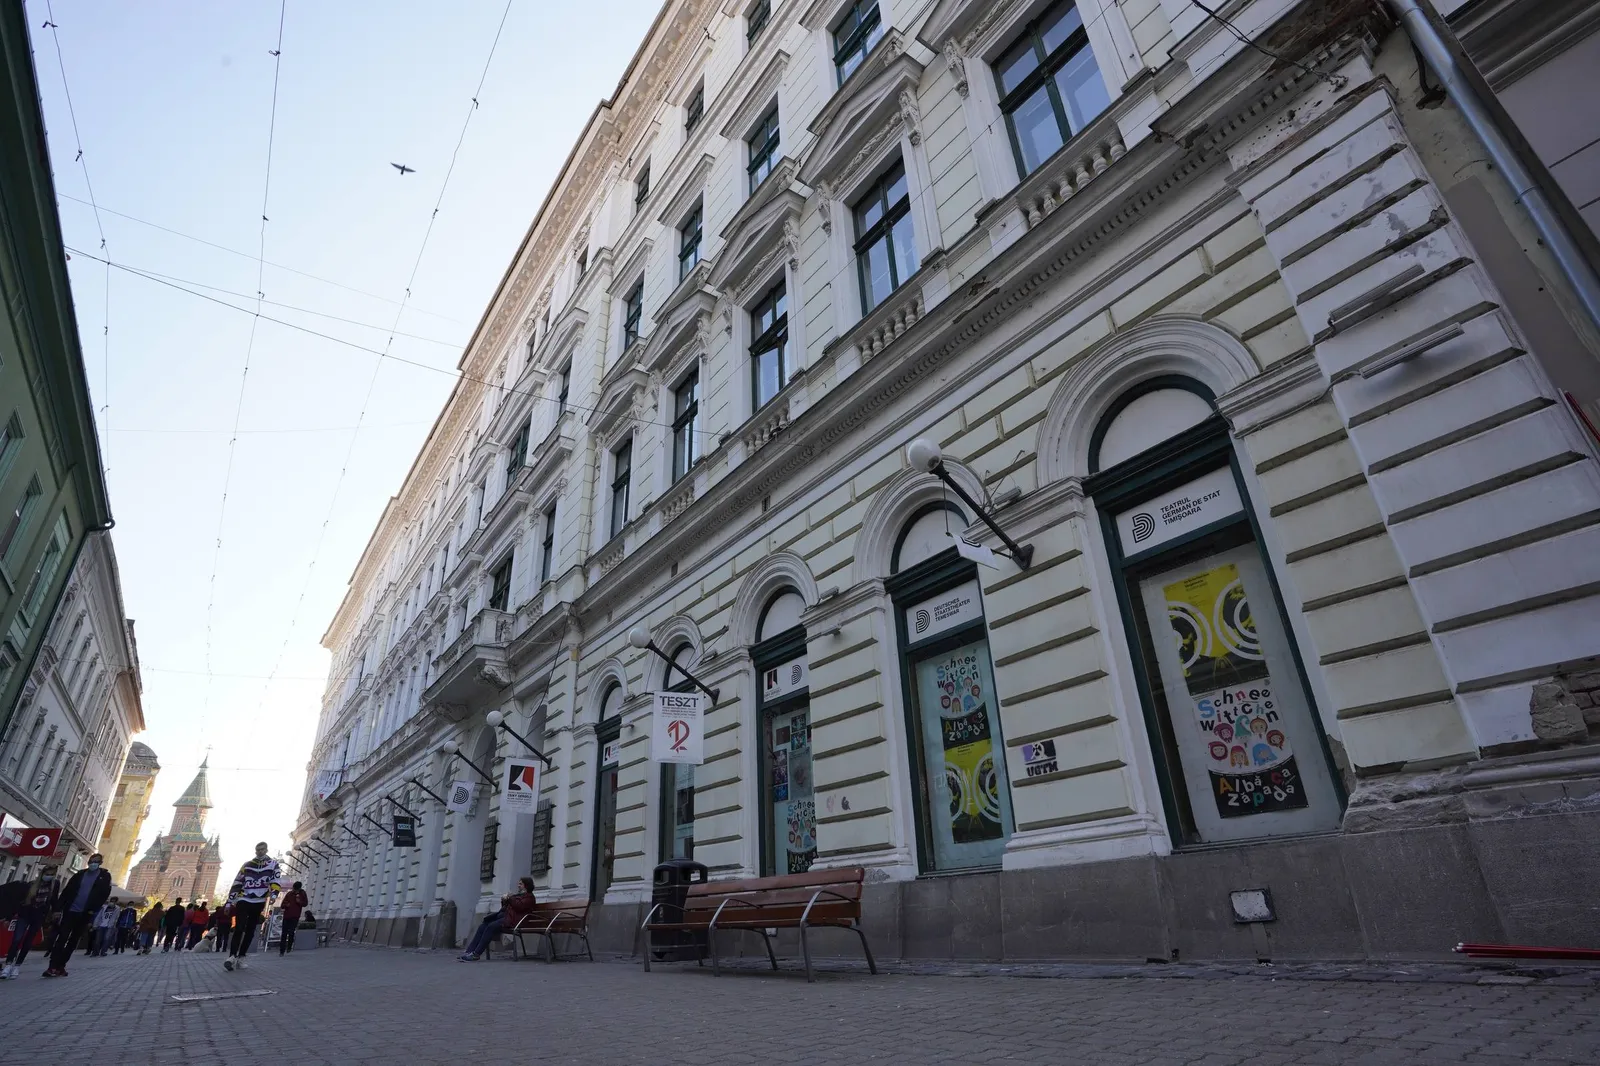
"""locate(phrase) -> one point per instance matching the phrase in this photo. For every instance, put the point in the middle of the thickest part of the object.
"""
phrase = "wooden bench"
(550, 920)
(819, 898)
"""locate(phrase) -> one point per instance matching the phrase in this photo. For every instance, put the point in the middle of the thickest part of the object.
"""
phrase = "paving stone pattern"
(349, 1004)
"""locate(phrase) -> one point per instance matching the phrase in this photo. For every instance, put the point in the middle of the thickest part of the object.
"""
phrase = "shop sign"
(779, 681)
(21, 840)
(611, 753)
(519, 792)
(405, 831)
(1039, 758)
(677, 731)
(1208, 498)
(946, 611)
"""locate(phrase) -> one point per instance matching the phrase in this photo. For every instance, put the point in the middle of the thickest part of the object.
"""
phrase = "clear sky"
(173, 102)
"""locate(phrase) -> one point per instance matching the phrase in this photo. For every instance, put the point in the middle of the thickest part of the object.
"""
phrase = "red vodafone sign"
(18, 840)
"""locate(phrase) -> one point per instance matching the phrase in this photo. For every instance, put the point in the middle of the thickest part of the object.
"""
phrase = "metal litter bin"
(671, 891)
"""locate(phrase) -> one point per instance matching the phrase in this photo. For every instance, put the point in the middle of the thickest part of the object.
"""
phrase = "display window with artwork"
(952, 712)
(783, 689)
(1237, 743)
(608, 735)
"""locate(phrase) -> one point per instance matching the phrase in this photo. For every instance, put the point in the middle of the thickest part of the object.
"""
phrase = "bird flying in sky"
(403, 169)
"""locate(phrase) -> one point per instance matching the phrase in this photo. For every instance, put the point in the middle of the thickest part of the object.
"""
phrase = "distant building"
(183, 862)
(119, 840)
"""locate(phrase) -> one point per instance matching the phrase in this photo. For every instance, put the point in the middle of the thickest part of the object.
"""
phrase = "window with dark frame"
(689, 235)
(886, 247)
(518, 457)
(547, 546)
(633, 311)
(500, 585)
(583, 263)
(756, 20)
(1050, 87)
(19, 516)
(769, 326)
(685, 425)
(621, 475)
(641, 187)
(764, 142)
(858, 29)
(695, 109)
(564, 389)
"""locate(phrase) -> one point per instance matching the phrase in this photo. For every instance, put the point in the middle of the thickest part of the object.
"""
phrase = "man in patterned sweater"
(254, 885)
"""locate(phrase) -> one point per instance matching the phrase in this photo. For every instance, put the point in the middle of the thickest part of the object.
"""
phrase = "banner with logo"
(405, 831)
(519, 792)
(460, 797)
(21, 840)
(327, 781)
(677, 732)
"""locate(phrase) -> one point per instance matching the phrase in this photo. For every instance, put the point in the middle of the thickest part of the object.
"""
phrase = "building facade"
(52, 486)
(183, 861)
(130, 806)
(1222, 334)
(63, 751)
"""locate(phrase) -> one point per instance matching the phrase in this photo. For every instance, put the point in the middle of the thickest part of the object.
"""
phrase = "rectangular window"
(788, 798)
(519, 453)
(33, 599)
(633, 311)
(500, 585)
(621, 473)
(886, 250)
(641, 187)
(689, 242)
(763, 142)
(857, 30)
(769, 325)
(756, 20)
(544, 324)
(564, 390)
(685, 425)
(10, 444)
(1050, 87)
(18, 518)
(547, 546)
(695, 109)
(583, 263)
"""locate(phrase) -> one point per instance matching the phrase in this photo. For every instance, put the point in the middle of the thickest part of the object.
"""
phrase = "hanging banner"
(20, 840)
(519, 793)
(460, 796)
(327, 781)
(677, 731)
(405, 831)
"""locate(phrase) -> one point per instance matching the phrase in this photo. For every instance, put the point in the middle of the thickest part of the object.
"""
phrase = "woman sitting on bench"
(512, 909)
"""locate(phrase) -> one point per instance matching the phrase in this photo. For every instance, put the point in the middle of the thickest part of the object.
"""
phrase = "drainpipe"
(1422, 22)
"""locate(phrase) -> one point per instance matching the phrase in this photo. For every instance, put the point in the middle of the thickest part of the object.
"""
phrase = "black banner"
(405, 831)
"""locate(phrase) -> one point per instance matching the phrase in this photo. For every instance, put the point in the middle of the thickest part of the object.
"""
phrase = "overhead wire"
(244, 377)
(344, 466)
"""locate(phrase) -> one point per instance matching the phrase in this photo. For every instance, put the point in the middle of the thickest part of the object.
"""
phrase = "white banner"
(327, 781)
(677, 732)
(1208, 498)
(519, 787)
(460, 796)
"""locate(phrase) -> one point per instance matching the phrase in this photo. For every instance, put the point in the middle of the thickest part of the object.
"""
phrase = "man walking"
(253, 885)
(105, 928)
(39, 900)
(172, 925)
(294, 901)
(85, 893)
(126, 920)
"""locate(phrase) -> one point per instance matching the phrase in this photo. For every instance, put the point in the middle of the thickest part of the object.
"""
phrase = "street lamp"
(640, 638)
(452, 748)
(495, 718)
(924, 455)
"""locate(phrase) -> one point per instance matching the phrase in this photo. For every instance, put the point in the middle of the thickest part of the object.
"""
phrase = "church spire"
(198, 794)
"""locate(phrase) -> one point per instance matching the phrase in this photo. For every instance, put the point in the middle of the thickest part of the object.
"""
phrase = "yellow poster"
(1214, 629)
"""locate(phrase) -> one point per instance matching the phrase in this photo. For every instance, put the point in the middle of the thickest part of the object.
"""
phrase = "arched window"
(788, 803)
(781, 614)
(931, 530)
(607, 734)
(1146, 416)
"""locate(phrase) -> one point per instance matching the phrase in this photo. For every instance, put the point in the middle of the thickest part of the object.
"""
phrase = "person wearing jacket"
(105, 929)
(39, 901)
(172, 925)
(512, 909)
(198, 918)
(149, 926)
(126, 920)
(254, 884)
(294, 901)
(84, 894)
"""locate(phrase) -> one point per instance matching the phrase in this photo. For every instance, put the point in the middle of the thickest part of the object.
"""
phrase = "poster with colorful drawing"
(969, 749)
(1245, 748)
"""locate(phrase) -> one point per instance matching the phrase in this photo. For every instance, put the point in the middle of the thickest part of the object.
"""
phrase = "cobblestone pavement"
(350, 1004)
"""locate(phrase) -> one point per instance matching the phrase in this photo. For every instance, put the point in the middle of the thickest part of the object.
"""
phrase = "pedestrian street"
(347, 1004)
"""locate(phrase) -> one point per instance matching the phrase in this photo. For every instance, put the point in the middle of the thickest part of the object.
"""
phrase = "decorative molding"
(955, 59)
(781, 569)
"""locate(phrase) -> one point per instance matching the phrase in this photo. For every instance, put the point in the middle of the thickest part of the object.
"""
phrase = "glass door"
(968, 806)
(605, 840)
(1237, 719)
(786, 779)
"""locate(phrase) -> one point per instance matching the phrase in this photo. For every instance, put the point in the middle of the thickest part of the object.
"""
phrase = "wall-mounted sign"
(946, 611)
(405, 831)
(21, 840)
(611, 753)
(677, 731)
(1208, 498)
(779, 681)
(519, 787)
(1039, 758)
(460, 796)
